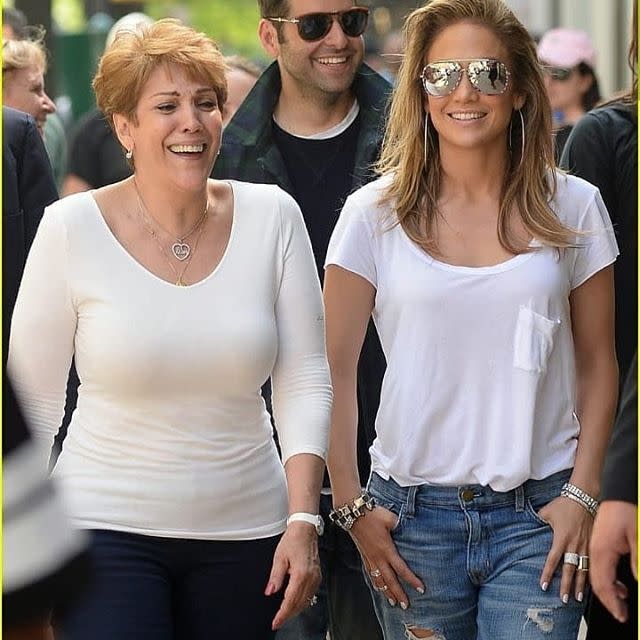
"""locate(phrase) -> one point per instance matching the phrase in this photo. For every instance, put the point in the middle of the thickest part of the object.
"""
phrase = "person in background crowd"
(28, 63)
(489, 276)
(569, 61)
(96, 158)
(241, 76)
(178, 303)
(24, 63)
(27, 188)
(603, 149)
(45, 560)
(313, 125)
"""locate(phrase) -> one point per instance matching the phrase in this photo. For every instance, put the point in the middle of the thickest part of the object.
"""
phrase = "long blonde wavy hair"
(415, 172)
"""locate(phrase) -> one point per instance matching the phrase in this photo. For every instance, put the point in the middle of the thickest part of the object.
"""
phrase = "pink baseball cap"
(566, 48)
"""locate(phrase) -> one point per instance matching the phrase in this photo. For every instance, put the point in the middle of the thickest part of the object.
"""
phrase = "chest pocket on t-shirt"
(533, 340)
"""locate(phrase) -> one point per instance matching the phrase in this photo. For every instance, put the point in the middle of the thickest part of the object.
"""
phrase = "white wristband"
(310, 518)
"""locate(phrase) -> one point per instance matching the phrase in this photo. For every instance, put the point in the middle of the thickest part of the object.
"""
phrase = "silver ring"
(313, 600)
(583, 563)
(383, 588)
(572, 558)
(376, 573)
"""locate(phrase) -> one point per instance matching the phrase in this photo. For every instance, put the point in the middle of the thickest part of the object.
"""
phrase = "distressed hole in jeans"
(542, 618)
(414, 633)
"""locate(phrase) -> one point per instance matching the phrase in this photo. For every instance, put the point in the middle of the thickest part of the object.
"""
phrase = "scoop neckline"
(500, 267)
(150, 273)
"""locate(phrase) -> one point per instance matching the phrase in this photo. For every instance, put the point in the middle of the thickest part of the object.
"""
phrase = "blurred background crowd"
(582, 42)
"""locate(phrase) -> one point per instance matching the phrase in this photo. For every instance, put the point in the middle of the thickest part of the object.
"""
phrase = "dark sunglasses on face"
(440, 79)
(557, 73)
(315, 26)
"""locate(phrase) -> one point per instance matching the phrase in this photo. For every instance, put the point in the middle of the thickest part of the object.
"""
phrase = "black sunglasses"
(557, 73)
(315, 26)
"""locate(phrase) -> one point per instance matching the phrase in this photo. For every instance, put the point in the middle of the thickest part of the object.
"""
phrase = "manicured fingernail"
(544, 586)
(269, 590)
(420, 590)
(392, 602)
(565, 598)
(580, 596)
(404, 605)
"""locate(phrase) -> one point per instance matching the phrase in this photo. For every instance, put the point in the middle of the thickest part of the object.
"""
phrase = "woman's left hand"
(296, 556)
(571, 526)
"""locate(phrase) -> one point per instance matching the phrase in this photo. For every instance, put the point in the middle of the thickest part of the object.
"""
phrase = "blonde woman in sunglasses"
(489, 277)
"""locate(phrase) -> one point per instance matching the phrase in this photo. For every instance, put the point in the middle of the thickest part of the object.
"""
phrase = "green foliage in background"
(69, 14)
(233, 24)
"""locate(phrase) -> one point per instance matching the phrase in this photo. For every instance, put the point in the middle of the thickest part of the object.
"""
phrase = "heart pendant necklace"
(180, 249)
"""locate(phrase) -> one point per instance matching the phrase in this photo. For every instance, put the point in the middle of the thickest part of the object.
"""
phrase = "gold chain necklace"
(180, 248)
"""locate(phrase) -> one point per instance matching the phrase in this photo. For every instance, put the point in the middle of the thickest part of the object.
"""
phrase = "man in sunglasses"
(313, 125)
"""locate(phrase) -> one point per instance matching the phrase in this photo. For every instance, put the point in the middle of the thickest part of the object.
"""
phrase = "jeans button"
(467, 495)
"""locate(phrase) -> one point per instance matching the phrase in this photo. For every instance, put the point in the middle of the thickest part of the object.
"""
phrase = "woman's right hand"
(383, 563)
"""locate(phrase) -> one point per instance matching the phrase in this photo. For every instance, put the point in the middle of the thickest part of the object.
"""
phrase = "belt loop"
(520, 498)
(411, 500)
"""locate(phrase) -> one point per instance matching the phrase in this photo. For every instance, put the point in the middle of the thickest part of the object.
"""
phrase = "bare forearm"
(343, 461)
(304, 481)
(597, 388)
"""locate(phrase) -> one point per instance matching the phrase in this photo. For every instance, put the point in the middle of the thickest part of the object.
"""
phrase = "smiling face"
(325, 67)
(467, 118)
(176, 133)
(24, 91)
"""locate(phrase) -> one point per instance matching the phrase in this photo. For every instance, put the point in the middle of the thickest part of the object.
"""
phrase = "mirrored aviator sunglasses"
(315, 26)
(440, 79)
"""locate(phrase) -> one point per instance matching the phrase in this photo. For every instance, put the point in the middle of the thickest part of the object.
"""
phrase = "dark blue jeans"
(345, 607)
(151, 588)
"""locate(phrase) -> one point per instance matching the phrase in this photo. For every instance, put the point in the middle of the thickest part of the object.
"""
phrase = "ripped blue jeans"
(480, 554)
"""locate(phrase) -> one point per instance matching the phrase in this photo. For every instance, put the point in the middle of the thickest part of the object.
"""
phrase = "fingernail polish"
(565, 598)
(403, 606)
(392, 602)
(420, 590)
(580, 596)
(544, 586)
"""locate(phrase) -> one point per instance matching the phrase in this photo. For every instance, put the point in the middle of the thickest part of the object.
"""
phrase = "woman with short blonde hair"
(24, 63)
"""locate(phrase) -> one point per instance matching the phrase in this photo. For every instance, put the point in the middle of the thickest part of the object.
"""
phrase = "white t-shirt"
(480, 380)
(171, 436)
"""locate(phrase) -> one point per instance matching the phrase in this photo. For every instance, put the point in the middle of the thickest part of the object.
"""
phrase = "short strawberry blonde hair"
(135, 53)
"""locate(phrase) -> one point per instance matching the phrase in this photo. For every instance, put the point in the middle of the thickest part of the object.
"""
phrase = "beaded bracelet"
(581, 497)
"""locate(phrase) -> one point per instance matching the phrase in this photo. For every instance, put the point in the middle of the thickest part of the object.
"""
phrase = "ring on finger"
(375, 573)
(572, 558)
(313, 600)
(382, 588)
(583, 563)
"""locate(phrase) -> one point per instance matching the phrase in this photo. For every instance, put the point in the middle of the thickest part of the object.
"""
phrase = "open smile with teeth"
(476, 115)
(333, 60)
(187, 148)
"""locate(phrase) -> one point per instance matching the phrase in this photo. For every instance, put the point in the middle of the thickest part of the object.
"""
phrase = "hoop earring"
(129, 154)
(522, 146)
(519, 112)
(426, 136)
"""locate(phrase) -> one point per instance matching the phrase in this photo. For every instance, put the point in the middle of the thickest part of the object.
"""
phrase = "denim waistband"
(471, 495)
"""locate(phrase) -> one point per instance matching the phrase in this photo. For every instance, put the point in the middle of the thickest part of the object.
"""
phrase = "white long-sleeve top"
(170, 436)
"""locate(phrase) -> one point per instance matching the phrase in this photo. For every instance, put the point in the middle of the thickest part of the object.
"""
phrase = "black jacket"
(27, 188)
(603, 149)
